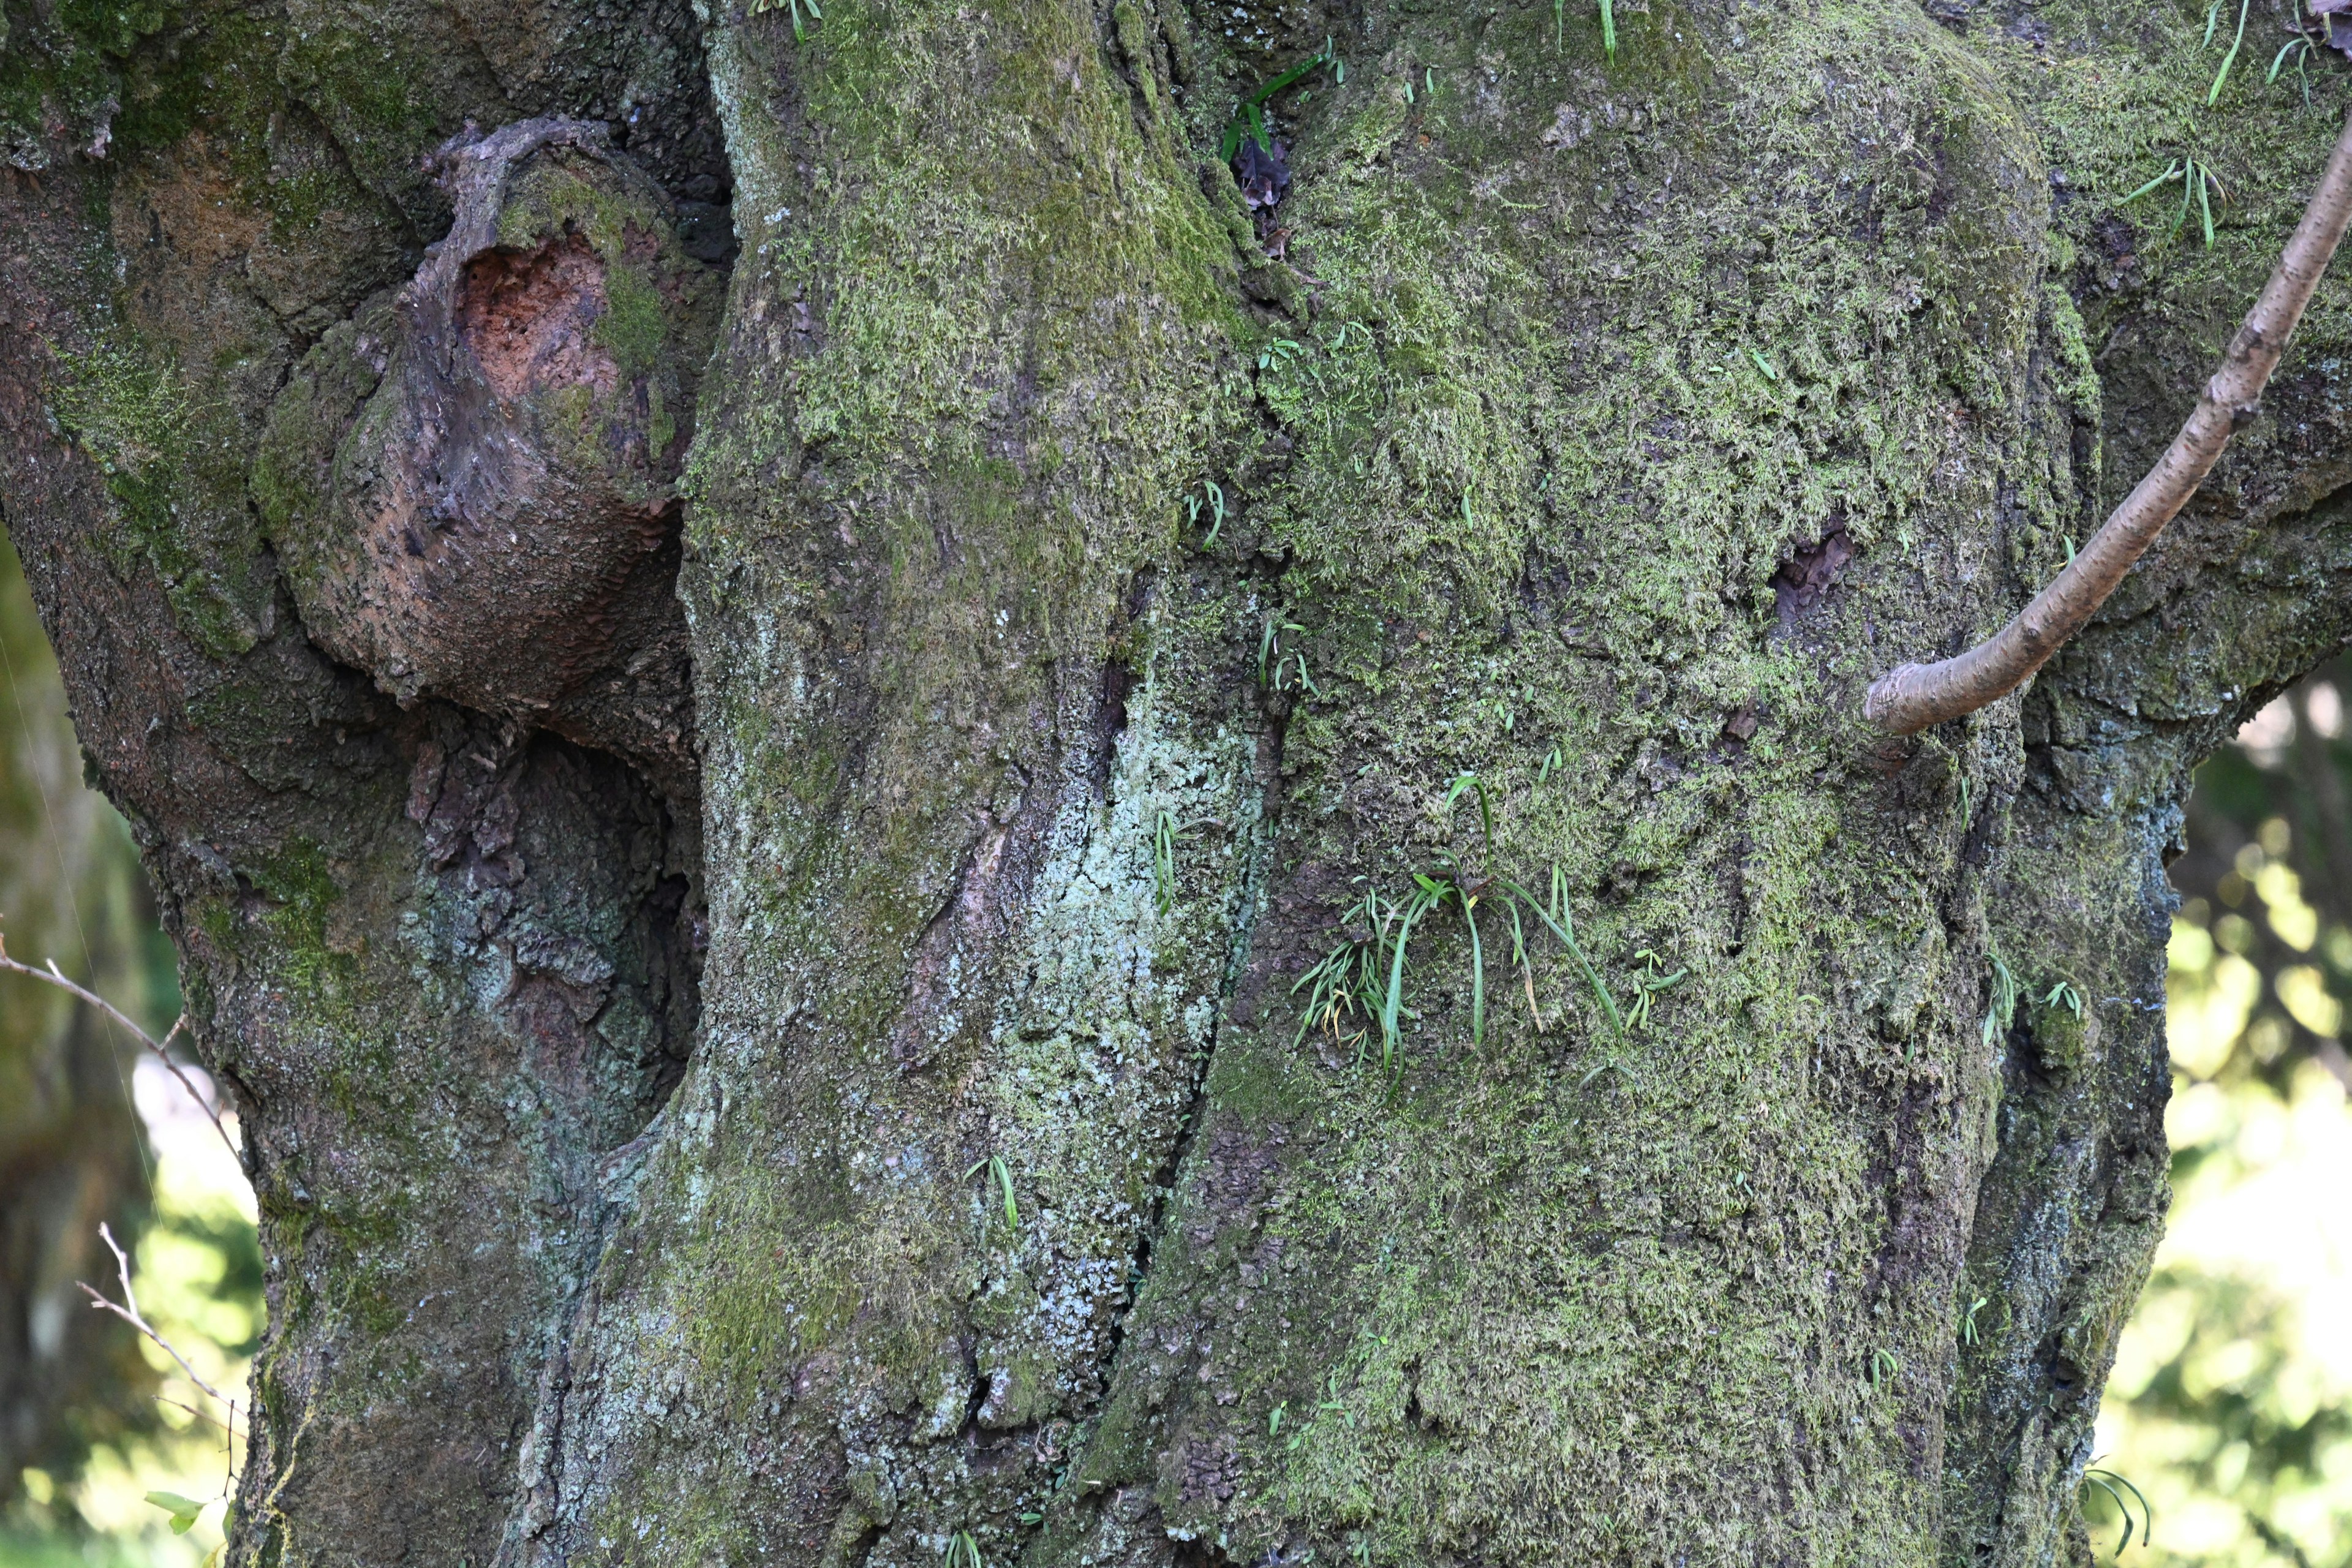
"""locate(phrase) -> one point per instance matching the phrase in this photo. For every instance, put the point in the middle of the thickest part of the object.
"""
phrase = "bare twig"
(1914, 696)
(52, 975)
(127, 1310)
(203, 1416)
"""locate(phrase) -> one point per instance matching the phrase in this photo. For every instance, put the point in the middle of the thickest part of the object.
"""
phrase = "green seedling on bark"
(1968, 1336)
(994, 1165)
(2300, 49)
(797, 6)
(1467, 782)
(1608, 26)
(2108, 1481)
(1281, 351)
(1163, 860)
(1555, 914)
(2213, 16)
(1344, 983)
(1271, 656)
(2197, 183)
(1652, 980)
(962, 1552)
(2301, 46)
(2063, 995)
(1884, 1369)
(2002, 1014)
(1215, 498)
(1273, 1421)
(1249, 115)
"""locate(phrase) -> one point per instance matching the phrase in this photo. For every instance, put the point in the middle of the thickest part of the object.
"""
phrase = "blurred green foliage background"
(2231, 1406)
(91, 1417)
(2229, 1412)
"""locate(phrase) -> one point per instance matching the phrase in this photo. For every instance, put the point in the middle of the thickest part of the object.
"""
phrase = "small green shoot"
(2108, 1481)
(1652, 980)
(1555, 914)
(1281, 351)
(1276, 664)
(1163, 860)
(799, 32)
(1468, 901)
(1764, 364)
(1273, 1421)
(183, 1511)
(2063, 995)
(2214, 95)
(2301, 46)
(1967, 803)
(1884, 1369)
(1249, 115)
(1215, 499)
(1609, 29)
(2002, 1014)
(2199, 185)
(994, 1165)
(962, 1552)
(1467, 782)
(1968, 1334)
(1551, 764)
(1424, 898)
(1345, 983)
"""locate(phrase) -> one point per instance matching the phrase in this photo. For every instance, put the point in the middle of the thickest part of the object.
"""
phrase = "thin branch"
(52, 975)
(1914, 696)
(127, 1310)
(228, 1425)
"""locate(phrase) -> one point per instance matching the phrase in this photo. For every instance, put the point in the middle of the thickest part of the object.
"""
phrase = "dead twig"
(1914, 696)
(52, 975)
(127, 1310)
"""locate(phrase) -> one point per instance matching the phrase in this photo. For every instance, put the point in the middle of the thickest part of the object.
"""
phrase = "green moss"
(634, 328)
(134, 419)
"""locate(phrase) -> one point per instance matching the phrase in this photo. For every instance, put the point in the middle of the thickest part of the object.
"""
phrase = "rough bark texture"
(865, 1101)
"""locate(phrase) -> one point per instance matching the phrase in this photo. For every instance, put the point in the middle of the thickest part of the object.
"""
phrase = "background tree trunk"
(857, 1099)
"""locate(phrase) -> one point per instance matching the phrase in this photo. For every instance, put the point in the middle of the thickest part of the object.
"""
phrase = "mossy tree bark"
(858, 1106)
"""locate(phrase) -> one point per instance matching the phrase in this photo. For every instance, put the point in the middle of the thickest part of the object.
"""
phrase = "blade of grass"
(1477, 968)
(2214, 96)
(1564, 930)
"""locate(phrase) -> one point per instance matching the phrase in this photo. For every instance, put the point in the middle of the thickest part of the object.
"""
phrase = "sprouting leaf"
(183, 1511)
(994, 1165)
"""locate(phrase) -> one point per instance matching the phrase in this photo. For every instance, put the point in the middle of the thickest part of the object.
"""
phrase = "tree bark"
(815, 1068)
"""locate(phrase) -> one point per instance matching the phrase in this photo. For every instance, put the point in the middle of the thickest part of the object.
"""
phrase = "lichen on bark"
(1596, 429)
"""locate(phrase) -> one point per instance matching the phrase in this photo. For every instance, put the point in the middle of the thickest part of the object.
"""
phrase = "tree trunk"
(844, 1074)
